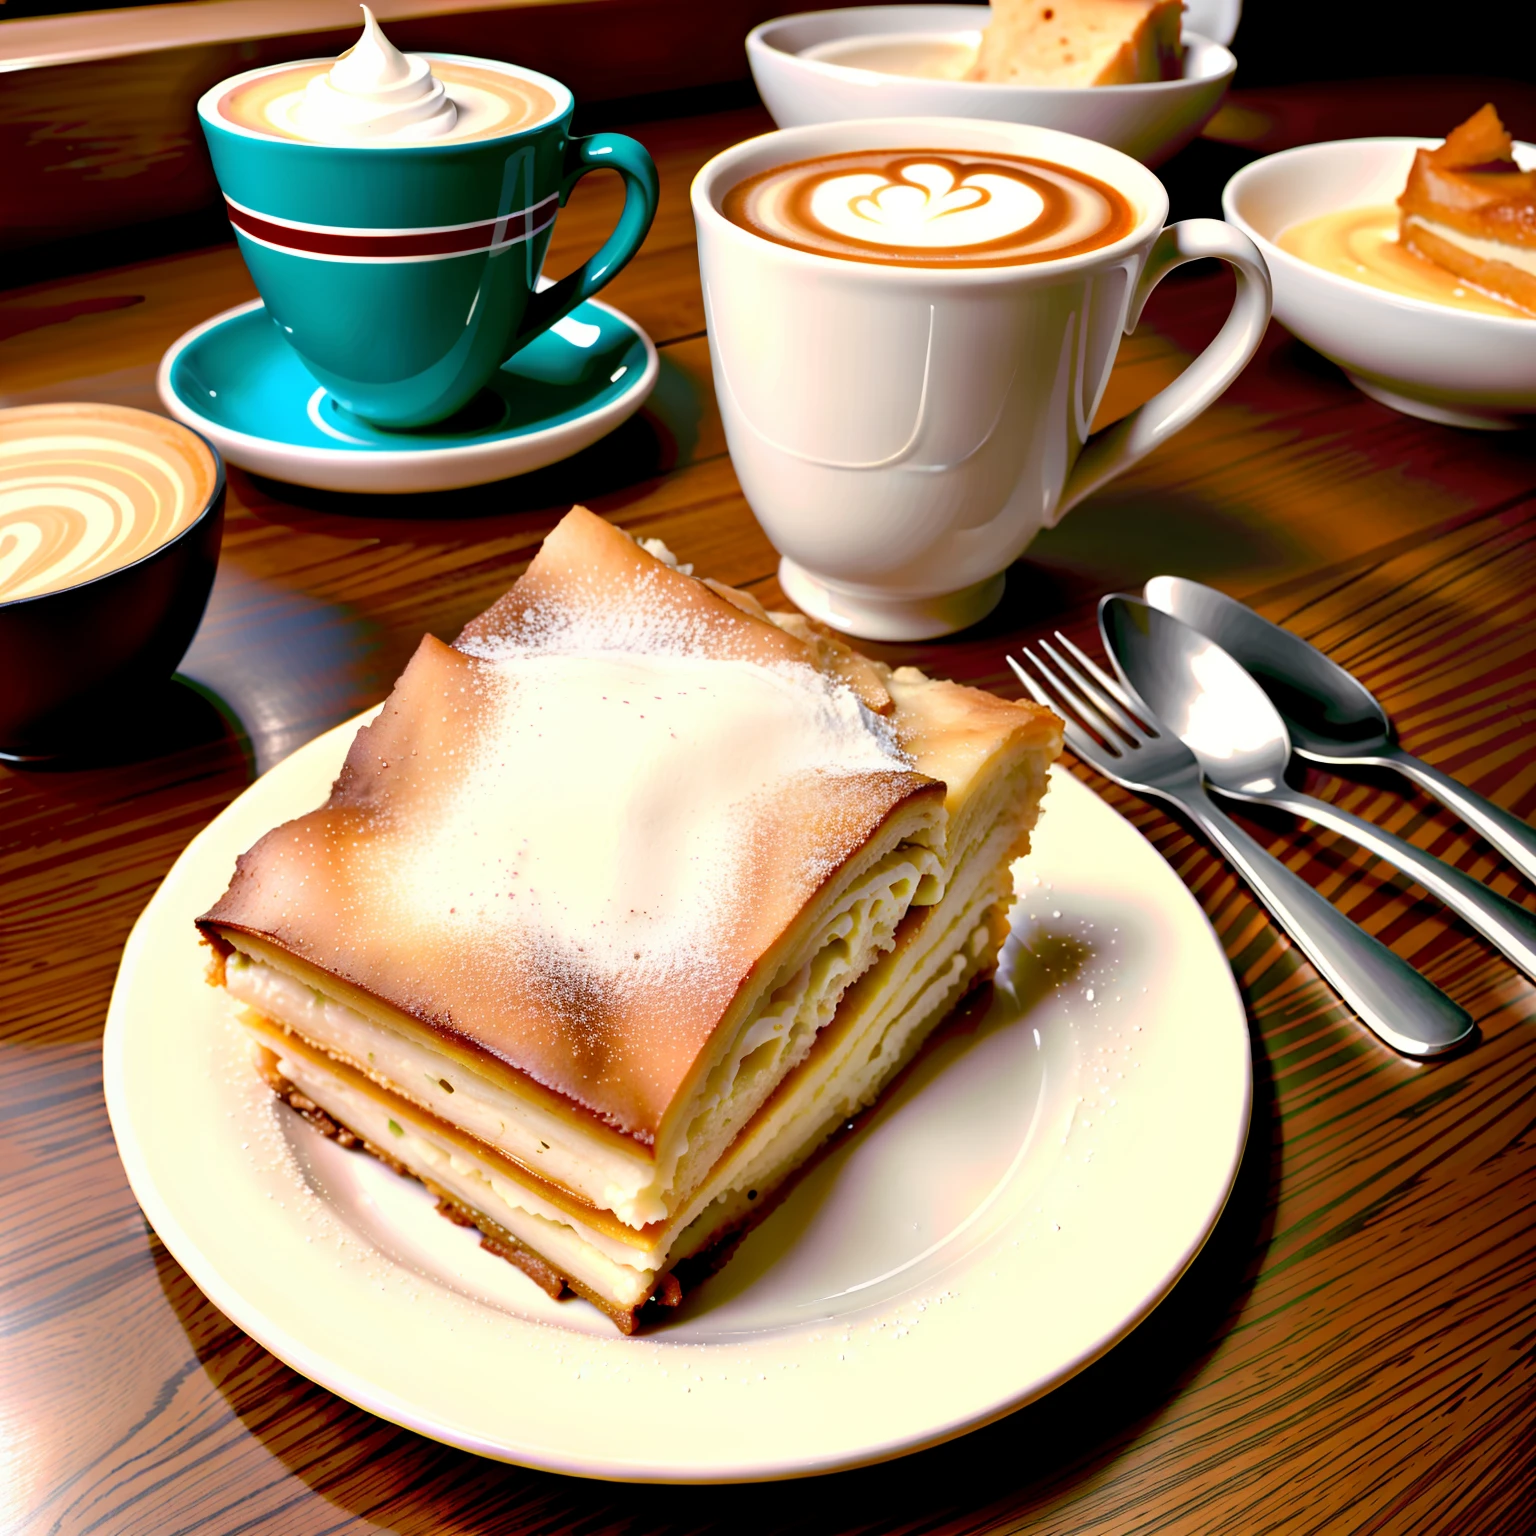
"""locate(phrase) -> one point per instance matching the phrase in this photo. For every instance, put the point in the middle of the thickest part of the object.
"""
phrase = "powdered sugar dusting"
(604, 819)
(591, 613)
(573, 839)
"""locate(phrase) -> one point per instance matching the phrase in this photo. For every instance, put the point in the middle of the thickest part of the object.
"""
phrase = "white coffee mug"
(902, 433)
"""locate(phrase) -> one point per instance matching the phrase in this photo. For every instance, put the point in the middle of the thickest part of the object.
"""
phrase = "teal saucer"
(235, 380)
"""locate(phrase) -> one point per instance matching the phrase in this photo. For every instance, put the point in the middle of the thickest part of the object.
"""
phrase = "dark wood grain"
(1353, 1349)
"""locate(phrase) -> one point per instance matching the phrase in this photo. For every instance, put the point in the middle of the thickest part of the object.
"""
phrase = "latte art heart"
(920, 207)
(928, 206)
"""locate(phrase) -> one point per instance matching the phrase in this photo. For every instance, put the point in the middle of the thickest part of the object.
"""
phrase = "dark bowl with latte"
(110, 523)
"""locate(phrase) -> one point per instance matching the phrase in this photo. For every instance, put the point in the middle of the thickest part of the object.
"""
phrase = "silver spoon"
(1224, 717)
(1409, 1013)
(1332, 718)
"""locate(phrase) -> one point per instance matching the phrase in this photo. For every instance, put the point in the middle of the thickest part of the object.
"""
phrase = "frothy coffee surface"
(931, 208)
(374, 94)
(88, 489)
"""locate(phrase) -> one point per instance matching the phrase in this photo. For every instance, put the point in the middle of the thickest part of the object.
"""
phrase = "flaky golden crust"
(831, 654)
(325, 887)
(305, 903)
(586, 565)
(937, 722)
(1472, 183)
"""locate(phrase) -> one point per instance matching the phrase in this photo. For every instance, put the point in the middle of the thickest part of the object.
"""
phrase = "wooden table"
(1352, 1350)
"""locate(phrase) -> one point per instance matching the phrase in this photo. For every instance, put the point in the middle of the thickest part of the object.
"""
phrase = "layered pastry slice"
(623, 903)
(1468, 207)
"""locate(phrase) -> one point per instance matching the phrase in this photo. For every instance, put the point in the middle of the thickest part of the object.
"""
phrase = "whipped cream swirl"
(374, 92)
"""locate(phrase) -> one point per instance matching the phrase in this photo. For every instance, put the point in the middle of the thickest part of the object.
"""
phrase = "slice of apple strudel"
(622, 904)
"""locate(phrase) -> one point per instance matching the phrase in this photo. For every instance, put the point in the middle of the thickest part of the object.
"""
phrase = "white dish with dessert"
(1414, 335)
(911, 61)
(1014, 1205)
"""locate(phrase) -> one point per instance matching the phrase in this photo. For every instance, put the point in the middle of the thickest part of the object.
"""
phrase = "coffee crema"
(931, 208)
(89, 489)
(488, 102)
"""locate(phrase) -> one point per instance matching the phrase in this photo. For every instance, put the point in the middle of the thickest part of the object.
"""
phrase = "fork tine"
(1036, 692)
(1067, 704)
(1039, 694)
(1120, 692)
(1107, 710)
(1084, 746)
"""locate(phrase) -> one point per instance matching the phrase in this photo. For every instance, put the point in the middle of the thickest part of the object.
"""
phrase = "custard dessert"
(1363, 245)
(1081, 42)
(621, 905)
(1469, 208)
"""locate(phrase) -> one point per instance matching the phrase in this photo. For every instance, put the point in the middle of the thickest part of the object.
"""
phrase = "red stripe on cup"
(375, 245)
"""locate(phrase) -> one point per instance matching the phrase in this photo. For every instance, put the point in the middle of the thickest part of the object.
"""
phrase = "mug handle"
(600, 151)
(1117, 447)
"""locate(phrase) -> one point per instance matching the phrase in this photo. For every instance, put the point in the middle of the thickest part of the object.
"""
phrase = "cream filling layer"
(879, 1028)
(880, 1025)
(518, 1127)
(899, 1032)
(852, 1060)
(889, 1024)
(590, 1256)
(637, 1187)
(1485, 250)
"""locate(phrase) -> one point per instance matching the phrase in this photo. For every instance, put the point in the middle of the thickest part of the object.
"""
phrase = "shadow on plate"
(807, 1212)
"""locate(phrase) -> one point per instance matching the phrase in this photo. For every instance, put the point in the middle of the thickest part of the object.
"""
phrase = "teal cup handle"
(599, 152)
(405, 275)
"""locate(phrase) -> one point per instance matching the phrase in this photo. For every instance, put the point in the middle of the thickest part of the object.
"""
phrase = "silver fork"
(1136, 751)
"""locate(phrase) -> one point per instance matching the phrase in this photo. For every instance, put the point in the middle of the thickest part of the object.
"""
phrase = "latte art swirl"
(85, 490)
(921, 207)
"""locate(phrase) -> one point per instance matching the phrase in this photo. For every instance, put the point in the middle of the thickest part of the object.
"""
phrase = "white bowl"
(1447, 365)
(1148, 122)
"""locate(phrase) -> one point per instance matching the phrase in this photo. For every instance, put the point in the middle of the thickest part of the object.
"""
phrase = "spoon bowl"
(1239, 739)
(1201, 694)
(1330, 716)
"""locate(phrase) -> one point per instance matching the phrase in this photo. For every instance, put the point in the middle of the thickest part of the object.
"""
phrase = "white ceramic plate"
(1023, 1197)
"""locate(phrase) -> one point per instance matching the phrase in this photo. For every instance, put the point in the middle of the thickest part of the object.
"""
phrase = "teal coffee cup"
(405, 274)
